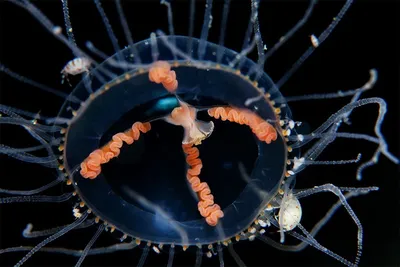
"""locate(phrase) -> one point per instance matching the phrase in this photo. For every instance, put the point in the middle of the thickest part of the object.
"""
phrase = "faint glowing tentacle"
(28, 233)
(89, 245)
(144, 256)
(36, 198)
(52, 238)
(339, 194)
(74, 252)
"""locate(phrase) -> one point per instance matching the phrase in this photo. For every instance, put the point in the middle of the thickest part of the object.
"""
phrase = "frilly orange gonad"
(263, 130)
(210, 211)
(91, 166)
(160, 72)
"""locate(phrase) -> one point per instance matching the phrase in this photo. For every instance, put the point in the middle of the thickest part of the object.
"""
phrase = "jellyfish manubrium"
(178, 143)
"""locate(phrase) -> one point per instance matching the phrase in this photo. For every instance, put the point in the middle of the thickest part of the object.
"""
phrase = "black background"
(366, 38)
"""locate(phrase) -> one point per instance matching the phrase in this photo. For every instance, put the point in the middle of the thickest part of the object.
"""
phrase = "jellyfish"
(176, 143)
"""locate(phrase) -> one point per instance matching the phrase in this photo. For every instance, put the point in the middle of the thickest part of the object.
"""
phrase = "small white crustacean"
(290, 213)
(75, 66)
(314, 40)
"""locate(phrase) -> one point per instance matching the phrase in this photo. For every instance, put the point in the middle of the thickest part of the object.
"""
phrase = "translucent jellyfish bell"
(142, 100)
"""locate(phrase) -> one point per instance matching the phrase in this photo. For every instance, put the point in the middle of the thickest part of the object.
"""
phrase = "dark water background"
(366, 38)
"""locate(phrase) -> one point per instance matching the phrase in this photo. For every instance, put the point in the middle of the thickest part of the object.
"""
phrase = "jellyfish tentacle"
(143, 258)
(89, 245)
(199, 257)
(171, 256)
(37, 198)
(74, 252)
(91, 166)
